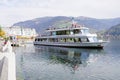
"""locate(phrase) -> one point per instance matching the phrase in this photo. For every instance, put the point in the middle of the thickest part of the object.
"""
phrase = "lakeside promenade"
(7, 62)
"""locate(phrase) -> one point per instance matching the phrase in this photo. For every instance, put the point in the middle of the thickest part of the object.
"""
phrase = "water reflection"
(70, 57)
(57, 63)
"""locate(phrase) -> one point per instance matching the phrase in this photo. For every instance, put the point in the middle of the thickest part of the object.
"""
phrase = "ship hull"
(94, 45)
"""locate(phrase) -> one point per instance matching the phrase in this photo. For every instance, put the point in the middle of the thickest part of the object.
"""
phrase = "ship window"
(35, 39)
(85, 31)
(84, 40)
(76, 40)
(38, 39)
(52, 40)
(44, 39)
(76, 31)
(79, 40)
(67, 32)
(61, 32)
(91, 39)
(58, 33)
(71, 32)
(53, 33)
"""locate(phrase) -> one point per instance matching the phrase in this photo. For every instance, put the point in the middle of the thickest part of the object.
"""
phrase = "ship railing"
(67, 27)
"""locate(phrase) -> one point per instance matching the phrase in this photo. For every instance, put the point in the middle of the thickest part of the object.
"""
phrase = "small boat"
(75, 36)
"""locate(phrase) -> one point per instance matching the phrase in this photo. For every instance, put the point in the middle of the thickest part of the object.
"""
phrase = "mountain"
(113, 32)
(40, 24)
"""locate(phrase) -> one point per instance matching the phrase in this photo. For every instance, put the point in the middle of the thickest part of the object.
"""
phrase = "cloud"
(25, 3)
(12, 11)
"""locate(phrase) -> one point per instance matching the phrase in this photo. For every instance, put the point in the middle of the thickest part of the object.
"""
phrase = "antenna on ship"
(73, 22)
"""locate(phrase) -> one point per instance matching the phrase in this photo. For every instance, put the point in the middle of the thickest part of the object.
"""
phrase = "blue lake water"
(57, 63)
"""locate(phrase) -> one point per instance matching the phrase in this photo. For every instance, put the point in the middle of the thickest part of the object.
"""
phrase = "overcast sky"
(12, 11)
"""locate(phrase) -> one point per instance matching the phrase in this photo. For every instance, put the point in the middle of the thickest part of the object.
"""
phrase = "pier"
(7, 62)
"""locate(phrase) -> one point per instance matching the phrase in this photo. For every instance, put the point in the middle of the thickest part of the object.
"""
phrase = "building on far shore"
(20, 32)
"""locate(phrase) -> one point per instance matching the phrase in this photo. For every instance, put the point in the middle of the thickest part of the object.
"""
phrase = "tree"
(2, 33)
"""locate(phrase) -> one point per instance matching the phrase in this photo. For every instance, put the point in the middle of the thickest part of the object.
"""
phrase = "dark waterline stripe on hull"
(88, 47)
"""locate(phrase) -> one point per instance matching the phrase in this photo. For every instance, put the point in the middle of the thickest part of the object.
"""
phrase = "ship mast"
(74, 23)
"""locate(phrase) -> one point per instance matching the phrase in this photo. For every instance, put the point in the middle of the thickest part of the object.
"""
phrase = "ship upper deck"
(73, 27)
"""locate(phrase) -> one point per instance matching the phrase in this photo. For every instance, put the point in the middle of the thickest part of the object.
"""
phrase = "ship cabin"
(80, 34)
(68, 31)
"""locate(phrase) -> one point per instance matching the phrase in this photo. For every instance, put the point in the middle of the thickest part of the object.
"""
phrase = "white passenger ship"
(76, 36)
